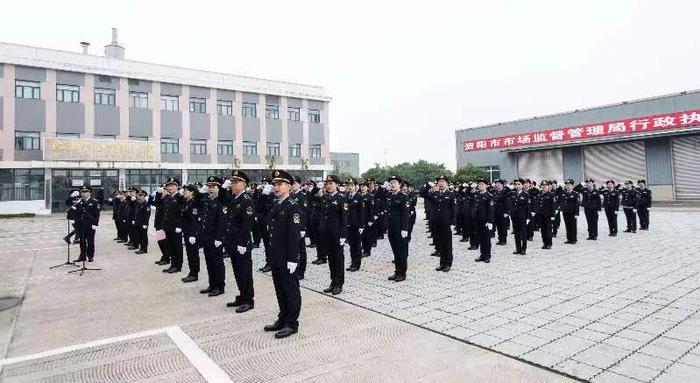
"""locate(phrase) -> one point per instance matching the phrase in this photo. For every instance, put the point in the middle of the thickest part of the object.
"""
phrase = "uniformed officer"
(530, 187)
(238, 240)
(483, 219)
(369, 213)
(332, 231)
(172, 225)
(501, 195)
(87, 218)
(131, 219)
(443, 216)
(190, 230)
(520, 215)
(611, 204)
(142, 217)
(546, 211)
(356, 223)
(159, 224)
(299, 196)
(263, 203)
(407, 189)
(644, 204)
(213, 226)
(629, 201)
(115, 201)
(590, 200)
(569, 206)
(398, 209)
(285, 230)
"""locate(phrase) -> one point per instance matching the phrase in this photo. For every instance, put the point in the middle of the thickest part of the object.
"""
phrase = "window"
(273, 149)
(249, 110)
(169, 146)
(138, 100)
(315, 151)
(27, 140)
(224, 148)
(293, 114)
(224, 108)
(168, 103)
(272, 112)
(198, 105)
(21, 184)
(314, 115)
(27, 89)
(67, 93)
(198, 146)
(150, 179)
(105, 136)
(201, 175)
(138, 138)
(67, 135)
(105, 96)
(250, 148)
(295, 150)
(493, 171)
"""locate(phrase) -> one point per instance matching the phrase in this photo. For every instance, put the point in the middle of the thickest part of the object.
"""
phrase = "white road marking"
(199, 359)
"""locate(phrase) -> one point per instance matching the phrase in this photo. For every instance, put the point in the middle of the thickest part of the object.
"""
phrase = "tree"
(469, 173)
(417, 173)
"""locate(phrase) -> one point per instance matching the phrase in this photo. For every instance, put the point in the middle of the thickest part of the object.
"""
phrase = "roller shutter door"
(620, 162)
(541, 165)
(686, 157)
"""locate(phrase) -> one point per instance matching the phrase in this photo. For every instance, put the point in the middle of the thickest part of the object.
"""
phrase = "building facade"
(657, 139)
(68, 119)
(346, 163)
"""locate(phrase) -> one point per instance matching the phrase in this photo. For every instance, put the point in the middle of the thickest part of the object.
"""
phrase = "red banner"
(632, 125)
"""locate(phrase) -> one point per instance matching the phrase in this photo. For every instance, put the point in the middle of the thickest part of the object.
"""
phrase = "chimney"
(114, 50)
(85, 46)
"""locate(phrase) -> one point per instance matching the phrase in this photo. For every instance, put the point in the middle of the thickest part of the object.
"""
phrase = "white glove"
(133, 198)
(320, 185)
(145, 226)
(241, 249)
(73, 207)
(267, 189)
(94, 227)
(341, 242)
(178, 230)
(489, 226)
(217, 243)
(361, 230)
(153, 194)
(307, 241)
(464, 184)
(370, 224)
(431, 184)
(204, 189)
(505, 215)
(649, 208)
(291, 266)
(181, 191)
(192, 240)
(226, 185)
(247, 189)
(109, 199)
(302, 234)
(404, 233)
(552, 218)
(260, 187)
(615, 212)
(385, 184)
(74, 194)
(634, 210)
(159, 190)
(133, 222)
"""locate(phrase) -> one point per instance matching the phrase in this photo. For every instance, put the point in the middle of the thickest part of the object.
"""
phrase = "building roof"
(578, 110)
(77, 62)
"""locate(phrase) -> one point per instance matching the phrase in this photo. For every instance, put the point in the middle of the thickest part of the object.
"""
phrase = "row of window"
(21, 184)
(104, 96)
(32, 141)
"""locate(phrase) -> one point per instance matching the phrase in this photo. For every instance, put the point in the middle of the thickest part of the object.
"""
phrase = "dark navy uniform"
(172, 225)
(500, 213)
(520, 216)
(546, 211)
(87, 215)
(142, 217)
(611, 204)
(301, 200)
(629, 202)
(368, 205)
(569, 203)
(590, 200)
(333, 228)
(240, 219)
(190, 232)
(444, 211)
(356, 223)
(643, 204)
(483, 215)
(398, 210)
(213, 226)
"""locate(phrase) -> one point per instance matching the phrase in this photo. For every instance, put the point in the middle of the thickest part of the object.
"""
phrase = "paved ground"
(620, 309)
(130, 322)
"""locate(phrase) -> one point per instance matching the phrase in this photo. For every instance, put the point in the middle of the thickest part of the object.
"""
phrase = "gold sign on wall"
(67, 149)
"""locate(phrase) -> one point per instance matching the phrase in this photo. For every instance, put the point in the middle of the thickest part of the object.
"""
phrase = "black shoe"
(167, 270)
(278, 325)
(473, 248)
(265, 268)
(529, 239)
(205, 291)
(365, 254)
(91, 259)
(464, 240)
(487, 260)
(81, 259)
(141, 252)
(481, 259)
(634, 231)
(162, 263)
(627, 231)
(328, 289)
(312, 245)
(554, 235)
(440, 268)
(300, 277)
(132, 248)
(613, 235)
(236, 302)
(523, 252)
(393, 277)
(501, 243)
(189, 278)
(400, 278)
(285, 332)
(352, 268)
(337, 290)
(66, 240)
(446, 268)
(435, 254)
(120, 241)
(214, 293)
(548, 247)
(244, 307)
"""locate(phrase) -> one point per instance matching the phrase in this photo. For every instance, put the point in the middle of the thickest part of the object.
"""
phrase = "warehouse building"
(73, 118)
(657, 139)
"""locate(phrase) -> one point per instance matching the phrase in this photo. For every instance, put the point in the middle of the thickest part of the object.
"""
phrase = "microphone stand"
(68, 261)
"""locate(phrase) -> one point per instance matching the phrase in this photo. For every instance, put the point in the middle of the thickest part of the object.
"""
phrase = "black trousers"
(288, 296)
(118, 227)
(336, 256)
(399, 246)
(87, 241)
(501, 225)
(214, 260)
(631, 218)
(469, 230)
(265, 235)
(366, 238)
(546, 230)
(411, 223)
(162, 244)
(611, 215)
(142, 235)
(133, 234)
(484, 235)
(557, 222)
(570, 224)
(355, 244)
(592, 222)
(192, 258)
(443, 241)
(301, 266)
(531, 227)
(643, 213)
(243, 272)
(173, 246)
(520, 233)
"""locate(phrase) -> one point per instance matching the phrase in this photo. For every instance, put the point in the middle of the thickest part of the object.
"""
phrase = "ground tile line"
(209, 370)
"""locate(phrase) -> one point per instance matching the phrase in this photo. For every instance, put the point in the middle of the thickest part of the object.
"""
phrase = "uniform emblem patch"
(225, 210)
(408, 204)
(194, 211)
(345, 206)
(249, 211)
(296, 218)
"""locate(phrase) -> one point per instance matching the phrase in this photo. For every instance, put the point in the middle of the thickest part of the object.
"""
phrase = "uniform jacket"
(87, 212)
(569, 202)
(334, 214)
(483, 210)
(356, 210)
(284, 225)
(240, 220)
(520, 205)
(398, 211)
(611, 198)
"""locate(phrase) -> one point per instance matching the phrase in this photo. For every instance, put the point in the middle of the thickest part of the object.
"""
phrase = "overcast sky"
(403, 75)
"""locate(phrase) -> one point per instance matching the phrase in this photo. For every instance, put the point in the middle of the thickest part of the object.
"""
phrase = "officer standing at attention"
(238, 239)
(611, 204)
(190, 230)
(333, 229)
(569, 206)
(520, 215)
(398, 210)
(213, 226)
(444, 209)
(356, 223)
(644, 204)
(547, 209)
(590, 200)
(483, 219)
(501, 195)
(300, 198)
(142, 218)
(369, 213)
(87, 217)
(159, 223)
(172, 225)
(285, 230)
(629, 201)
